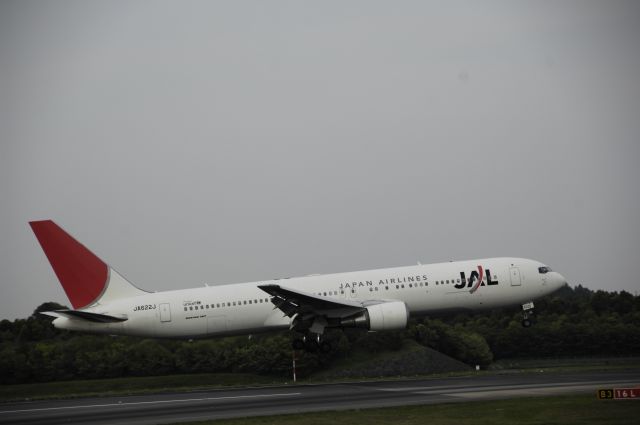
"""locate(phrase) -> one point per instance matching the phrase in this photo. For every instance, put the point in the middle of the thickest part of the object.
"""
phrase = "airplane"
(383, 299)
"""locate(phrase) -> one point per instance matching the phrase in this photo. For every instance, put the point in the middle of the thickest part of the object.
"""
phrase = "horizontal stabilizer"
(85, 315)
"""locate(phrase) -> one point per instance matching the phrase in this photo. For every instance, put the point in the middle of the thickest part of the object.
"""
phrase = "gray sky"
(187, 142)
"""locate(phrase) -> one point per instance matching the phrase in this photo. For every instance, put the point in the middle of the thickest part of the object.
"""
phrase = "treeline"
(572, 322)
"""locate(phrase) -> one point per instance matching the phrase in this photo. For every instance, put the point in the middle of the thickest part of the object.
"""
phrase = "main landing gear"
(310, 344)
(527, 314)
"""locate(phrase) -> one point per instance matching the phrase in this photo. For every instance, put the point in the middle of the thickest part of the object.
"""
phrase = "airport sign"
(619, 394)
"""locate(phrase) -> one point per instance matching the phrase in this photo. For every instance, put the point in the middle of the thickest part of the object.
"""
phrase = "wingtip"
(50, 313)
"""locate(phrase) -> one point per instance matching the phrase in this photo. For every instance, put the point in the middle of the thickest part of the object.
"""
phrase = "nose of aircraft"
(558, 281)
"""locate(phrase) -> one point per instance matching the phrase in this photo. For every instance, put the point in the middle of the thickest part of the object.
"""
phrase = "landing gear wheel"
(527, 314)
(298, 344)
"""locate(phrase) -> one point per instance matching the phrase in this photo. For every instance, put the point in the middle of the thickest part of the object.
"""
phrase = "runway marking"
(150, 402)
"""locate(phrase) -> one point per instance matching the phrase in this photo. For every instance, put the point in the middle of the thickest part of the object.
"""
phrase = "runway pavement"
(193, 406)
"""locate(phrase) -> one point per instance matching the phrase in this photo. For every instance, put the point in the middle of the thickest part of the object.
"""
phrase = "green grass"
(131, 385)
(559, 365)
(410, 359)
(568, 363)
(156, 384)
(565, 410)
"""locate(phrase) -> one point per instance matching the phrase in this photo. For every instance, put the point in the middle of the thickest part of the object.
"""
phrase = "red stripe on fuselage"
(82, 274)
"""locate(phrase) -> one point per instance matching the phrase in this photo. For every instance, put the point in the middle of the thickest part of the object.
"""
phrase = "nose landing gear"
(527, 314)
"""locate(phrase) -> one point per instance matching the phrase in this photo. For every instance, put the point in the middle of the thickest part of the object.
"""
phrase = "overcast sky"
(187, 142)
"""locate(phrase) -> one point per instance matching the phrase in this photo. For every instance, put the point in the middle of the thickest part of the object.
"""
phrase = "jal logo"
(477, 278)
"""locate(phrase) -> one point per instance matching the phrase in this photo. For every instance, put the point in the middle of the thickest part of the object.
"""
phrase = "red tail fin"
(82, 275)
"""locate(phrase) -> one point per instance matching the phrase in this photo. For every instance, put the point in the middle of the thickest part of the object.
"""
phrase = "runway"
(228, 403)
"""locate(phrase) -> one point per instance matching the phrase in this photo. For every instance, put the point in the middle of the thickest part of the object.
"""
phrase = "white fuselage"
(244, 308)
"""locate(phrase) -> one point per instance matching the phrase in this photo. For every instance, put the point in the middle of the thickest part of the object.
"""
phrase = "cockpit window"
(544, 269)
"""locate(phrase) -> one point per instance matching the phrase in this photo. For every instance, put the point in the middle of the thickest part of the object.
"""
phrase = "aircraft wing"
(307, 306)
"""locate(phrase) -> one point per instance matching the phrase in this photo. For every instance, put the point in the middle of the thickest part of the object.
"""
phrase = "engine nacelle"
(380, 317)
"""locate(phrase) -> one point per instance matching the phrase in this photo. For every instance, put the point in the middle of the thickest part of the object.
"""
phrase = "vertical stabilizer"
(85, 278)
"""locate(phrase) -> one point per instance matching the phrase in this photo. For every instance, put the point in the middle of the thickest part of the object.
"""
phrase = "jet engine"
(379, 317)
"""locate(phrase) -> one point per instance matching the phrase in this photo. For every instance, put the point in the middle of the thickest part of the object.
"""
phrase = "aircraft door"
(516, 279)
(165, 312)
